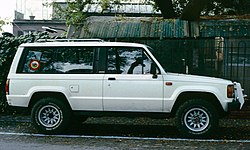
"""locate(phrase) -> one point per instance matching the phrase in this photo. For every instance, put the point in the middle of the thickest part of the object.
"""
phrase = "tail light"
(230, 91)
(7, 87)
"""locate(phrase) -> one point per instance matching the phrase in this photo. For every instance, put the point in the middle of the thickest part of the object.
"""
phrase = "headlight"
(230, 91)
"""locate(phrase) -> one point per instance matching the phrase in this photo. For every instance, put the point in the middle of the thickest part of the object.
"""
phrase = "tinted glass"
(58, 60)
(126, 60)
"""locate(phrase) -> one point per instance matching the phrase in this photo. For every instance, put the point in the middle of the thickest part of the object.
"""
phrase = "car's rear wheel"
(196, 118)
(50, 116)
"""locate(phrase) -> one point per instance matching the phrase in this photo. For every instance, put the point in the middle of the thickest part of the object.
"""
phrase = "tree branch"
(193, 10)
(166, 7)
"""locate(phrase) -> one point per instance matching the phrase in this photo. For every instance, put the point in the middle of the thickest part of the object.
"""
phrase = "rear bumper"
(17, 100)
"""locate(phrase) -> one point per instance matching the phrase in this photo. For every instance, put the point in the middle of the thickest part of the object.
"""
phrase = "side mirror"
(153, 70)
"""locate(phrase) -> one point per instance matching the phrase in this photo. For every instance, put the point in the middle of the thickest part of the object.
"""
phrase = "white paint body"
(130, 93)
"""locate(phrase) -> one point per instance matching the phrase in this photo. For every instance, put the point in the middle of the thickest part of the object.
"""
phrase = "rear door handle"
(111, 78)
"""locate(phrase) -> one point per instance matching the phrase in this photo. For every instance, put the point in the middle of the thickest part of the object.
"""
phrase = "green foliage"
(8, 47)
(105, 4)
(74, 12)
(217, 7)
(238, 7)
(2, 23)
(179, 5)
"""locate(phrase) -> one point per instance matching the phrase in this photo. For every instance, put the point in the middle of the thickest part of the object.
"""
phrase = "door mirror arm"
(155, 76)
(153, 70)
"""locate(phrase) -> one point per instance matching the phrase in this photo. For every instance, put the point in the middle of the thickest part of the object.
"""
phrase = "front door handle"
(111, 78)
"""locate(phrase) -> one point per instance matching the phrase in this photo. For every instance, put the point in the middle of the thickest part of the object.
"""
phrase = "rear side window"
(61, 60)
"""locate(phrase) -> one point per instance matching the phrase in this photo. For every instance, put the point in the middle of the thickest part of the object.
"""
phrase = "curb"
(11, 118)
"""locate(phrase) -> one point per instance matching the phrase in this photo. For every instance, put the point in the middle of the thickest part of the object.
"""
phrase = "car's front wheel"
(50, 115)
(196, 118)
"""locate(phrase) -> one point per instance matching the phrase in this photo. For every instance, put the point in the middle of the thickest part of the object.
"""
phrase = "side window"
(75, 60)
(61, 60)
(126, 60)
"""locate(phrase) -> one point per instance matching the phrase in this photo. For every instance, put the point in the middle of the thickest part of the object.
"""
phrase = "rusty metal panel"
(134, 28)
(225, 28)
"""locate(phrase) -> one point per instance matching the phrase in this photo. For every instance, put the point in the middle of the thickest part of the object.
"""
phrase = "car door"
(128, 84)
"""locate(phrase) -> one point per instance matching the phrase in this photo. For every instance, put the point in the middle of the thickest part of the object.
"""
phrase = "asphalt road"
(120, 133)
(24, 142)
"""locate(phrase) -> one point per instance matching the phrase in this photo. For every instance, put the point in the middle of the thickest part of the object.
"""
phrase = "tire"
(196, 118)
(50, 116)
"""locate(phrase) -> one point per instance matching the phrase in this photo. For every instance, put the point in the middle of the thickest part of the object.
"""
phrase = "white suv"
(60, 80)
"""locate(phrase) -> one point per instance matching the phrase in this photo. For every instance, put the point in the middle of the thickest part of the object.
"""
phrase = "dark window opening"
(128, 60)
(61, 60)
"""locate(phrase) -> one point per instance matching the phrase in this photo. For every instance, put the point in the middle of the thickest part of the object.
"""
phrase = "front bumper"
(234, 106)
(239, 98)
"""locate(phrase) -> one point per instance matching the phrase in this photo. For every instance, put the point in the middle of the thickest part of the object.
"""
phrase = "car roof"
(94, 43)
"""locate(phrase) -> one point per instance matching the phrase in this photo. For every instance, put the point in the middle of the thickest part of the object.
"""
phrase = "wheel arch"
(39, 95)
(209, 97)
